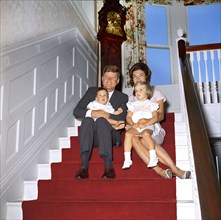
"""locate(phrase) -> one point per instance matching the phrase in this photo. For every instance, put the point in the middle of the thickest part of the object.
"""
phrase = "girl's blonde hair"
(148, 87)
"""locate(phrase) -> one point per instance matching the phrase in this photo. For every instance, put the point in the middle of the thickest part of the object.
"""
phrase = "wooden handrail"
(208, 187)
(203, 47)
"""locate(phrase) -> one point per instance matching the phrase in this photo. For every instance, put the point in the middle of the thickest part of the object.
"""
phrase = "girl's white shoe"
(127, 164)
(153, 162)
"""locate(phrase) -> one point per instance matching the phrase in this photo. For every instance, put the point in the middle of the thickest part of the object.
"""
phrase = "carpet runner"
(136, 194)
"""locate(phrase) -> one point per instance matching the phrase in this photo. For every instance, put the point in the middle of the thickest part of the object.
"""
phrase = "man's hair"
(112, 68)
(140, 66)
(149, 88)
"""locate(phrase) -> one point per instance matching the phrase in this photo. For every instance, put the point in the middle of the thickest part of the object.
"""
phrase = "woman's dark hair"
(140, 66)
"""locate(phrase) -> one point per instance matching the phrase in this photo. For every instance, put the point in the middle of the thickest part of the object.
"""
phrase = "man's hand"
(99, 114)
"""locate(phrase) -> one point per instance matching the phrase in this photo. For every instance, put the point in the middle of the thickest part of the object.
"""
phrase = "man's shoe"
(81, 174)
(109, 173)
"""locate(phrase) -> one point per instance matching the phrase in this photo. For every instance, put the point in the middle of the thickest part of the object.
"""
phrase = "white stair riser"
(181, 139)
(14, 211)
(184, 190)
(30, 190)
(178, 117)
(44, 171)
(55, 156)
(64, 142)
(180, 127)
(186, 211)
(182, 153)
(77, 122)
(72, 131)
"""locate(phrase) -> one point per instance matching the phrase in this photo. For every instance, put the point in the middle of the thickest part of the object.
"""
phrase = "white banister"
(208, 85)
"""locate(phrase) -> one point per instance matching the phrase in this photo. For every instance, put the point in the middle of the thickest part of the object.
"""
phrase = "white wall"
(22, 21)
(48, 60)
(41, 84)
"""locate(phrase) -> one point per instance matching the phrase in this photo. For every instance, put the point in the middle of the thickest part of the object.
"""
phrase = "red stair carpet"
(137, 193)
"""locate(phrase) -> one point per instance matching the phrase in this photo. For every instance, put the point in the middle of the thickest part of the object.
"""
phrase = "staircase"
(110, 194)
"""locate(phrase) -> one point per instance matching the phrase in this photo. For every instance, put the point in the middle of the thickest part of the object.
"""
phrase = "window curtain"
(135, 45)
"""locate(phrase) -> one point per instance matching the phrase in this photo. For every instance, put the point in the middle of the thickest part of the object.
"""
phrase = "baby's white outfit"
(95, 105)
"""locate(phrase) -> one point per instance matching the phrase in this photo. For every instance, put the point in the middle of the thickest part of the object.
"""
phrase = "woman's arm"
(160, 110)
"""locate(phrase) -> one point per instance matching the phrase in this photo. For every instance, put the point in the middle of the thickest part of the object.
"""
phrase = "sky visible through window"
(204, 27)
(158, 58)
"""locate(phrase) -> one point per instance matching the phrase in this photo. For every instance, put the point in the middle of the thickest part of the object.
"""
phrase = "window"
(204, 27)
(158, 48)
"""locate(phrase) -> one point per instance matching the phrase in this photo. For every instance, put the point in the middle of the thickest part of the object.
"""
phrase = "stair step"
(30, 190)
(181, 139)
(14, 211)
(180, 127)
(184, 190)
(68, 169)
(178, 117)
(55, 155)
(72, 131)
(182, 152)
(184, 164)
(108, 190)
(73, 153)
(64, 142)
(77, 122)
(100, 210)
(186, 210)
(44, 171)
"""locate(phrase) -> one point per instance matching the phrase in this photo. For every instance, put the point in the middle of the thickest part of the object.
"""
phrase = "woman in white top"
(140, 72)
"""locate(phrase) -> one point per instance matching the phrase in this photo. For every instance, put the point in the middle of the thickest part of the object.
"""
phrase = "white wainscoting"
(40, 85)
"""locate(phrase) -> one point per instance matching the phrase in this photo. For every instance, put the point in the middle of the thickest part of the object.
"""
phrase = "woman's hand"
(142, 123)
(134, 125)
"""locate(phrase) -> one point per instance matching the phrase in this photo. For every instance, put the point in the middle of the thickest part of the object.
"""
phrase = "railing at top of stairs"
(208, 186)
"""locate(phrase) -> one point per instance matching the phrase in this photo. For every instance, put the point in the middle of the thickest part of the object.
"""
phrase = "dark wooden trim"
(208, 186)
(203, 47)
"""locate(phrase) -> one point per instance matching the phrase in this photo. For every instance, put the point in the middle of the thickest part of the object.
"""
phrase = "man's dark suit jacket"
(118, 100)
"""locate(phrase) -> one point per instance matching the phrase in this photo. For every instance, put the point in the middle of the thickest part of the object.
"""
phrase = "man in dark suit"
(99, 132)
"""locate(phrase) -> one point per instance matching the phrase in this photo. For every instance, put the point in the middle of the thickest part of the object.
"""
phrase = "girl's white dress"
(142, 109)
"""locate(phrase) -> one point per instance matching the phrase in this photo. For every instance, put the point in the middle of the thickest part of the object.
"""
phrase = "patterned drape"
(185, 2)
(135, 45)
